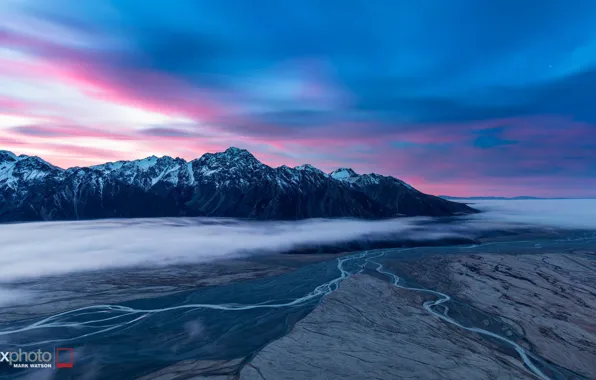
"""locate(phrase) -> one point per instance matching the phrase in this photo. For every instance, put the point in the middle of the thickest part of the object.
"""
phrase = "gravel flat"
(369, 329)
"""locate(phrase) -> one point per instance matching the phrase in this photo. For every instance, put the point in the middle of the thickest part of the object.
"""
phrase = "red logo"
(67, 360)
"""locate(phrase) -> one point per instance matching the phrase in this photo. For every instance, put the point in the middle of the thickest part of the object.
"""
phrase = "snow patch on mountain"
(6, 155)
(309, 168)
(350, 176)
(191, 176)
(16, 170)
(343, 174)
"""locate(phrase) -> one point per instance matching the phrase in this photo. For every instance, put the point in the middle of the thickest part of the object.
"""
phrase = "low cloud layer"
(41, 249)
(560, 213)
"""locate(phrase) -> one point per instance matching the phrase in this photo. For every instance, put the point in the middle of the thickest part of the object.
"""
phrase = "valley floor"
(369, 329)
(501, 309)
(58, 293)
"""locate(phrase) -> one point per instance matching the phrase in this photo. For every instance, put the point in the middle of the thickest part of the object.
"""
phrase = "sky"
(459, 97)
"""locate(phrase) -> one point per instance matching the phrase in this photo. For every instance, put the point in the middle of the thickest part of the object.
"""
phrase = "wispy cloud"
(302, 83)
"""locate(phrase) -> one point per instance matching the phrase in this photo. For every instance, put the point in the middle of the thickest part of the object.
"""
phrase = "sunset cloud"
(494, 105)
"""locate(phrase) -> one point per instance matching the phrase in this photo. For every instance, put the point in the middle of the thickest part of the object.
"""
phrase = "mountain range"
(232, 183)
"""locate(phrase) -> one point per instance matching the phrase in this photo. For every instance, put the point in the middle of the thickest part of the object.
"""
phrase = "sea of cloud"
(29, 250)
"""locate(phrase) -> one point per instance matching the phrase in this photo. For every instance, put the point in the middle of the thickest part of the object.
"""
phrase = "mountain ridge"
(232, 183)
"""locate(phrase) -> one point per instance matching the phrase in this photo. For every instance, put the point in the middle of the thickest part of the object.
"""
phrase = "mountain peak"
(238, 153)
(343, 173)
(6, 155)
(34, 161)
(230, 160)
(232, 154)
(234, 150)
(308, 167)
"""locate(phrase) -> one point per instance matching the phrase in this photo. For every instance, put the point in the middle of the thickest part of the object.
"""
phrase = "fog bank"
(558, 213)
(53, 248)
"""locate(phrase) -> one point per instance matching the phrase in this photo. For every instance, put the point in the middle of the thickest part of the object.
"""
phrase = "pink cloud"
(10, 105)
(61, 131)
(441, 159)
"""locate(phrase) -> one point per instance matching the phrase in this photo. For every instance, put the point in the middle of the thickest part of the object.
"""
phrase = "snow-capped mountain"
(23, 169)
(231, 183)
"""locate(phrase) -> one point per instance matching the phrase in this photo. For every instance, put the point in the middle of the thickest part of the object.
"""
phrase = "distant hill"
(496, 198)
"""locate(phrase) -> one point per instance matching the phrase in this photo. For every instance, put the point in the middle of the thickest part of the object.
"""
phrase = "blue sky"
(459, 97)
